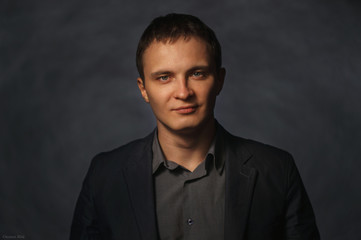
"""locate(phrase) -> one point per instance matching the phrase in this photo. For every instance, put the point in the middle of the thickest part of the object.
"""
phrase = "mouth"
(185, 109)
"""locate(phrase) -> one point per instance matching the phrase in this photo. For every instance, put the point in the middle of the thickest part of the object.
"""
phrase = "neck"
(189, 148)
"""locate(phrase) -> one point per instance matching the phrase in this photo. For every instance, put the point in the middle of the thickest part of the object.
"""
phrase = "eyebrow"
(158, 73)
(203, 67)
(165, 72)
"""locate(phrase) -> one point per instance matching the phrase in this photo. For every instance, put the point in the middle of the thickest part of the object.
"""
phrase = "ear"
(142, 89)
(220, 79)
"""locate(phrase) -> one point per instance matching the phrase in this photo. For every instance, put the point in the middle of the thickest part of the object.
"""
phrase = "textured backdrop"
(68, 91)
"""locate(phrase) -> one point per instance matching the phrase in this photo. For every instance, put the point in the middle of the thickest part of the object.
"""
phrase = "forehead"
(176, 51)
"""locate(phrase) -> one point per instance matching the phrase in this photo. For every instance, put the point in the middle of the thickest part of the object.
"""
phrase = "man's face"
(180, 83)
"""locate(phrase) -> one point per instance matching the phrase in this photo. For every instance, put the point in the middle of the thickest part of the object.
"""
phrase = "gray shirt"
(190, 205)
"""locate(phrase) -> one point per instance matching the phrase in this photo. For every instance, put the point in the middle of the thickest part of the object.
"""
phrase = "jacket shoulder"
(262, 149)
(260, 155)
(124, 155)
(255, 147)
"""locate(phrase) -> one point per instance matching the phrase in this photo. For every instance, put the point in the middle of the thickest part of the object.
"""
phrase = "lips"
(185, 109)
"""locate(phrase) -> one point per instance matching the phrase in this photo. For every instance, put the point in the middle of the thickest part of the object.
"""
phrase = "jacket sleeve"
(300, 219)
(84, 225)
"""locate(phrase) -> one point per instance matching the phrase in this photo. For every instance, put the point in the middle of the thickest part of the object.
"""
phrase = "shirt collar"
(215, 151)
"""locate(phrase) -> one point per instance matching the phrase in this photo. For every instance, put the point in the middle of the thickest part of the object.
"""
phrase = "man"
(190, 178)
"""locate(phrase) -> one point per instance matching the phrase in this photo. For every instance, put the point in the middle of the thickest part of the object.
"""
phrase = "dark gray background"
(68, 91)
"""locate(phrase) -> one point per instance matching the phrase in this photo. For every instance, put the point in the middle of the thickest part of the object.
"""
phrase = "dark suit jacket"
(265, 198)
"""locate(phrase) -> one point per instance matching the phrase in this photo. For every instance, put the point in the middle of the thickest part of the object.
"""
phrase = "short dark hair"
(170, 28)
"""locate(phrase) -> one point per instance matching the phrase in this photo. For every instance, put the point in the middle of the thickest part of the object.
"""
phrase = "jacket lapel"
(138, 176)
(240, 182)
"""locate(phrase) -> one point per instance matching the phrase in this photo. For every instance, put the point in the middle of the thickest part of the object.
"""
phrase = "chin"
(186, 125)
(182, 127)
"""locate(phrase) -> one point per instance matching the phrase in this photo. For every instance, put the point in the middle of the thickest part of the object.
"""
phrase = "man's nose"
(183, 90)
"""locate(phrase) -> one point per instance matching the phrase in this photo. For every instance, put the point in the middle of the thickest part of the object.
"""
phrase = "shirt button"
(190, 221)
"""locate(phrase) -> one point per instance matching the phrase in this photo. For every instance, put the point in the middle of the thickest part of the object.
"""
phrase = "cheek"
(157, 99)
(208, 93)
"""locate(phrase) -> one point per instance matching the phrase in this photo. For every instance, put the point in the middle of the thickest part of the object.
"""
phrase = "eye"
(164, 78)
(199, 74)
